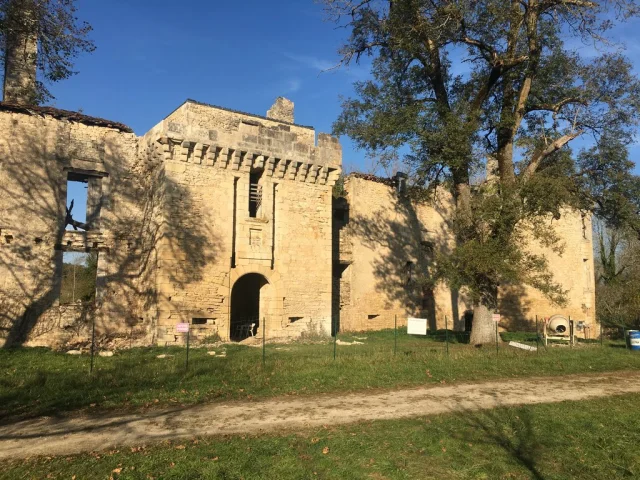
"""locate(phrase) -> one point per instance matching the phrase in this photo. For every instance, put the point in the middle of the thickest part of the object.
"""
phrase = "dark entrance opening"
(468, 320)
(429, 307)
(245, 306)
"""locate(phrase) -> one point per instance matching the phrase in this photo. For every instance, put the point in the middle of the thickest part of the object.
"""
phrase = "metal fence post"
(627, 344)
(395, 334)
(335, 337)
(446, 333)
(570, 332)
(188, 335)
(264, 339)
(537, 338)
(497, 346)
(93, 342)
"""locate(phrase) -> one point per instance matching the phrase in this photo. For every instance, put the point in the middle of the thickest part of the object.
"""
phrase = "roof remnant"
(64, 115)
(189, 100)
(373, 178)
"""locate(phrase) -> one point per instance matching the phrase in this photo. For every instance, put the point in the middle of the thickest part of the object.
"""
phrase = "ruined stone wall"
(175, 234)
(37, 151)
(573, 269)
(385, 232)
(391, 241)
(209, 238)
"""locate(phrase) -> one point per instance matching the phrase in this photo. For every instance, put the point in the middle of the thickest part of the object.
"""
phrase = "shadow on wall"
(404, 263)
(514, 305)
(140, 209)
(405, 253)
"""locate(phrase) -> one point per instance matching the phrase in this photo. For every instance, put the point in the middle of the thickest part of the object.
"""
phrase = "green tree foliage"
(526, 95)
(60, 35)
(617, 277)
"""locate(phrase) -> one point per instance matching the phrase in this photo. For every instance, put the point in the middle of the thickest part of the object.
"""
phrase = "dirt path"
(49, 436)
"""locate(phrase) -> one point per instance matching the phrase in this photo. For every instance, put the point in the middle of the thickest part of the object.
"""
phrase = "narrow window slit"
(255, 193)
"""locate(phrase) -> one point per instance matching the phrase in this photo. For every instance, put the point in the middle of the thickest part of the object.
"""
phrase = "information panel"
(416, 326)
(182, 327)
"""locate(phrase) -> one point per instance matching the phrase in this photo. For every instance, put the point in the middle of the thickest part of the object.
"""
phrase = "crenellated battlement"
(216, 137)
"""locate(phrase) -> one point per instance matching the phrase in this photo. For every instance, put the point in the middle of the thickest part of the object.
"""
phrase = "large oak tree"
(526, 97)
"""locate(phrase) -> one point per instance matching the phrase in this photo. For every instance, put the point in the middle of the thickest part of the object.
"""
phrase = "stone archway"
(247, 305)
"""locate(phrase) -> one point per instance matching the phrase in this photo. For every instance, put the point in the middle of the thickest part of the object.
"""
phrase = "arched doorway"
(245, 306)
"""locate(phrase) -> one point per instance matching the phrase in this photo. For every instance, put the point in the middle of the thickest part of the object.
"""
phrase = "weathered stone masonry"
(226, 220)
(384, 242)
(212, 154)
(176, 227)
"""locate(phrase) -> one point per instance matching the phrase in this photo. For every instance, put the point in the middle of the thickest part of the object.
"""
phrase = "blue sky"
(151, 56)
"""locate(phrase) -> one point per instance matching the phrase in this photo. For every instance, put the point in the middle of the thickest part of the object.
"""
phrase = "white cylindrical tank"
(559, 325)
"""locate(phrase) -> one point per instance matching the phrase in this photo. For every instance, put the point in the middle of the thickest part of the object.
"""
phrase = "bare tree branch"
(540, 155)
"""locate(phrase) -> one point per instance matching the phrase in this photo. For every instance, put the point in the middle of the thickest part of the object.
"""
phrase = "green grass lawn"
(595, 439)
(38, 381)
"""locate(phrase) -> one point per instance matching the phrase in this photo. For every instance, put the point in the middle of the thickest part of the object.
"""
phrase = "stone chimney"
(281, 110)
(401, 182)
(20, 62)
(492, 169)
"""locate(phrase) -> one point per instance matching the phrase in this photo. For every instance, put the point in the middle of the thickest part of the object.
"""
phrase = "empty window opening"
(373, 315)
(294, 319)
(76, 204)
(84, 198)
(203, 321)
(428, 299)
(340, 214)
(409, 271)
(428, 248)
(79, 271)
(255, 193)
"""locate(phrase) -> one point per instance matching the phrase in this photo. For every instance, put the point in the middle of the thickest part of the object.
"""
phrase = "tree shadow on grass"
(48, 392)
(511, 430)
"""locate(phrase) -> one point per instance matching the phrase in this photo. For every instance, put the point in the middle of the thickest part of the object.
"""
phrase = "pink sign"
(496, 317)
(182, 327)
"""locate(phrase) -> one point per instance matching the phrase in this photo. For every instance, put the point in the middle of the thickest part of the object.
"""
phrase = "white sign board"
(496, 317)
(182, 327)
(522, 346)
(416, 326)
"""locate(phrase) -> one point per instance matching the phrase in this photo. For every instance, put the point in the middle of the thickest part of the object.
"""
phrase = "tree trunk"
(21, 53)
(483, 330)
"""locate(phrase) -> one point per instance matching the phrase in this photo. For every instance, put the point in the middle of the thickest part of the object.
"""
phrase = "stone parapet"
(215, 137)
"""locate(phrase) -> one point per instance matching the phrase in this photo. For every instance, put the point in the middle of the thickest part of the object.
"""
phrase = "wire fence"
(327, 341)
(192, 364)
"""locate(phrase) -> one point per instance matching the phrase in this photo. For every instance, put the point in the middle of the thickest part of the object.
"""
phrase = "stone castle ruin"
(227, 221)
(385, 245)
